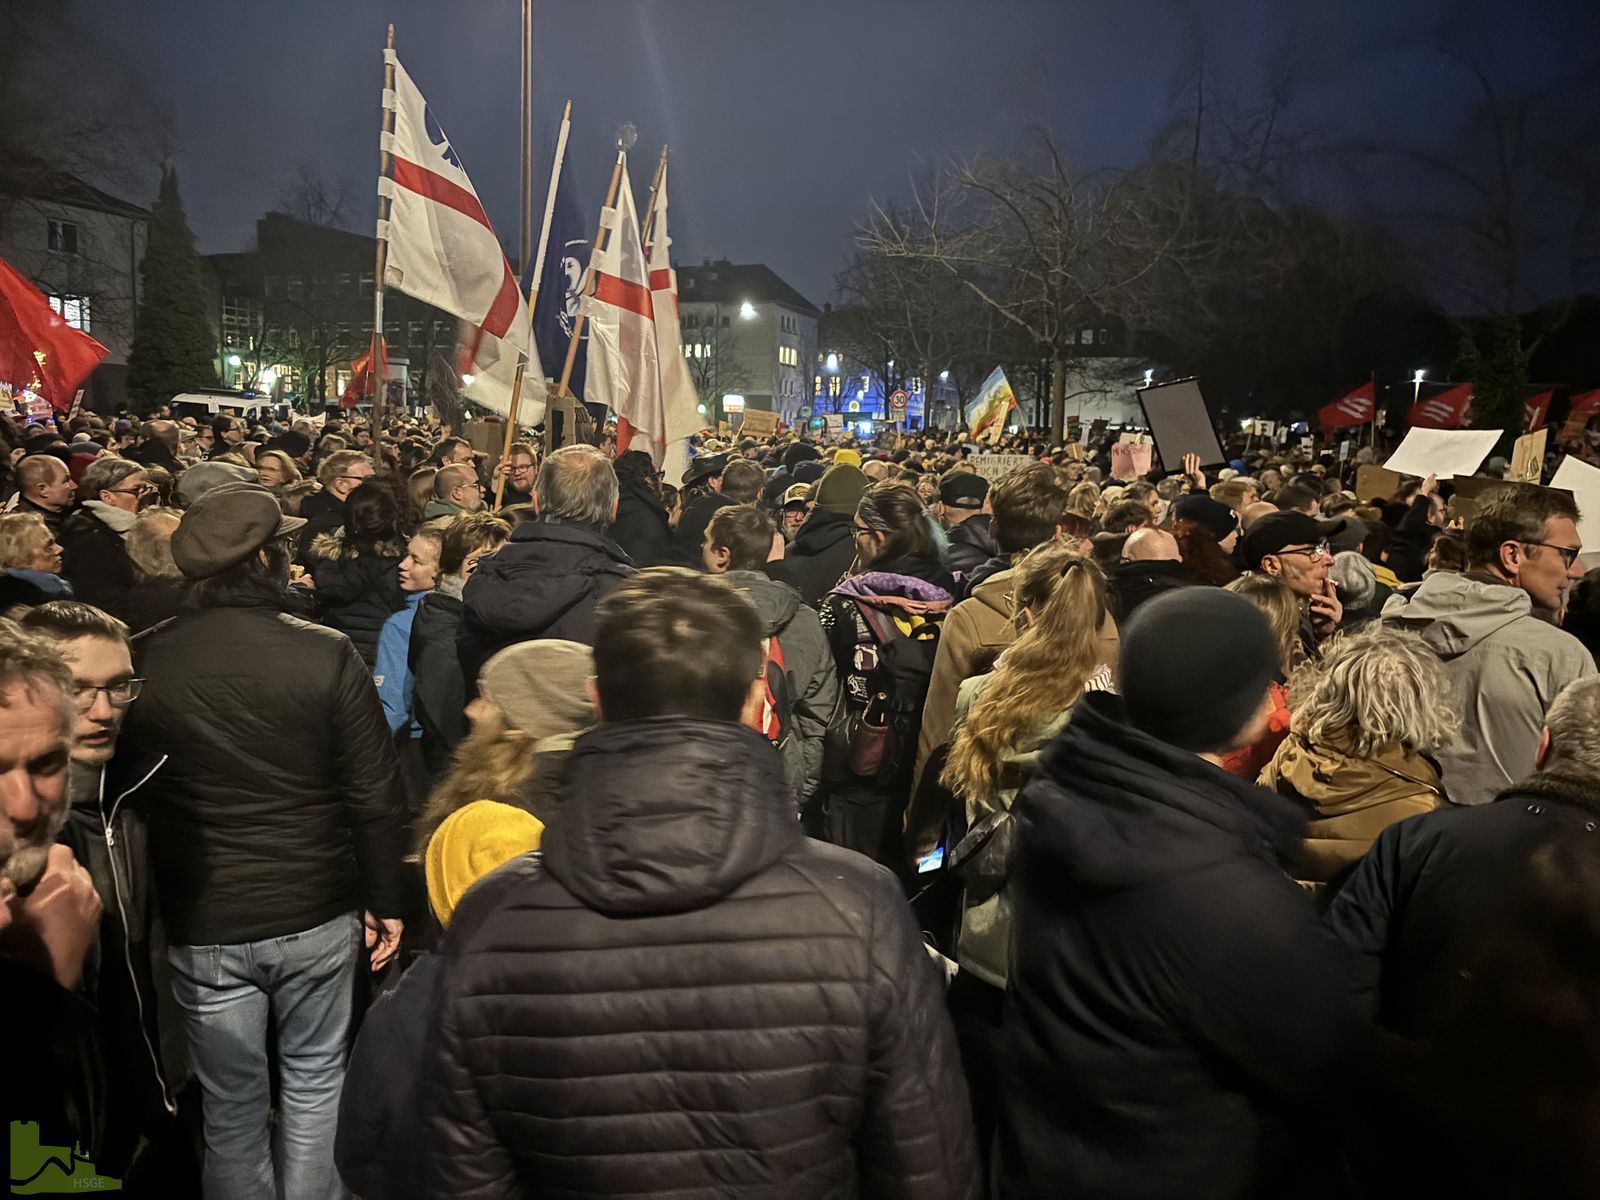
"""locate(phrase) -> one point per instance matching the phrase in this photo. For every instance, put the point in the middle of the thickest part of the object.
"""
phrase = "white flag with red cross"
(679, 400)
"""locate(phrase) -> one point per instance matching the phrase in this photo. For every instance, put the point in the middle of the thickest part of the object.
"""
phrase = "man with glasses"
(341, 473)
(456, 490)
(518, 469)
(108, 794)
(93, 558)
(1293, 547)
(1495, 629)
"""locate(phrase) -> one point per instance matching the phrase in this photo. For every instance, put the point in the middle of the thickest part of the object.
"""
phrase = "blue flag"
(566, 258)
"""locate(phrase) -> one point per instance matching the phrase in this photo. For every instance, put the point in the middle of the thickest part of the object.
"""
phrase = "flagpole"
(533, 292)
(588, 281)
(525, 240)
(649, 229)
(380, 368)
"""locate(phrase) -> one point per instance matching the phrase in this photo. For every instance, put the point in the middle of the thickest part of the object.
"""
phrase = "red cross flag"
(679, 400)
(442, 249)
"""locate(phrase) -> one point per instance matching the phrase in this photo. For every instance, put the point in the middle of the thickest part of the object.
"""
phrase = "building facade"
(81, 247)
(749, 339)
(292, 313)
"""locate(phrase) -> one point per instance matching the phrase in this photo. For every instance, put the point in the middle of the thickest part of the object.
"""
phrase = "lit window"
(74, 310)
(63, 237)
(1088, 337)
(816, 385)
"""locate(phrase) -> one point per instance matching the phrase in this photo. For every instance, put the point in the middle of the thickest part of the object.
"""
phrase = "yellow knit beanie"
(847, 456)
(471, 842)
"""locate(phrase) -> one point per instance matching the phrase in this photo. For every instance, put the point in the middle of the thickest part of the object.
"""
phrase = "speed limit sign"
(897, 402)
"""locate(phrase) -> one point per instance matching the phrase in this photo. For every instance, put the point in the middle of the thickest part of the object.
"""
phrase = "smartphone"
(931, 862)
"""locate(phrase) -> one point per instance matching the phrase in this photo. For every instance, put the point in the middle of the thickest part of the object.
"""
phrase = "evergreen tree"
(174, 349)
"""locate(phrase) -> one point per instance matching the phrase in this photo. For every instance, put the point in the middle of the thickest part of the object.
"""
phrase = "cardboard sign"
(759, 423)
(995, 467)
(1443, 452)
(1375, 483)
(1131, 460)
(1583, 481)
(833, 422)
(1527, 459)
(1344, 451)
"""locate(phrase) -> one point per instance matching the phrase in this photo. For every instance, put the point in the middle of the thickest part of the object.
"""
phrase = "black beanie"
(1195, 665)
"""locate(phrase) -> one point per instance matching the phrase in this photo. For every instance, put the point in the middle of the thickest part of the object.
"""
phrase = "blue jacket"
(392, 673)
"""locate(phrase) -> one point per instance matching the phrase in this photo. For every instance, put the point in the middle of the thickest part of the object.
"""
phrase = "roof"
(34, 180)
(729, 283)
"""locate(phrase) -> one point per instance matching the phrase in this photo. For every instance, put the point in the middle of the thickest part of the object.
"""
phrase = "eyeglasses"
(1569, 554)
(358, 478)
(148, 489)
(1320, 550)
(118, 695)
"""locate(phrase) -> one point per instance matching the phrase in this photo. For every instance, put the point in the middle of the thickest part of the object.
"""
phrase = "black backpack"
(883, 741)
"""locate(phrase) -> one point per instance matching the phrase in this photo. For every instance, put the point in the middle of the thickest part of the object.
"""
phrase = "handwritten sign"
(759, 422)
(1131, 460)
(1527, 459)
(995, 467)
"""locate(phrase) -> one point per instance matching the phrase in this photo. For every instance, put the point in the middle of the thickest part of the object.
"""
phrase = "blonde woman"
(30, 561)
(1282, 608)
(1357, 756)
(1004, 721)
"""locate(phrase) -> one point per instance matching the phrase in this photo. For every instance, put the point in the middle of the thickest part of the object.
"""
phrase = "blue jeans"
(306, 982)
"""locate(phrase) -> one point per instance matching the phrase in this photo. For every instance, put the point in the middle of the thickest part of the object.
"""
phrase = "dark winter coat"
(438, 696)
(813, 682)
(54, 519)
(971, 545)
(96, 563)
(819, 557)
(543, 583)
(279, 807)
(1174, 999)
(685, 997)
(152, 601)
(357, 589)
(323, 513)
(1413, 908)
(1130, 584)
(691, 532)
(380, 1147)
(641, 527)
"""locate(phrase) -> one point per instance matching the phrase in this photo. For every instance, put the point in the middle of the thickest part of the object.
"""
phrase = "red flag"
(1450, 409)
(362, 384)
(1535, 410)
(1356, 408)
(40, 352)
(1585, 407)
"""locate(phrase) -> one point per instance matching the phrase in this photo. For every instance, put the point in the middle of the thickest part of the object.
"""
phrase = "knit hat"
(840, 489)
(292, 442)
(202, 477)
(846, 456)
(471, 842)
(226, 526)
(1207, 513)
(799, 452)
(1194, 666)
(541, 687)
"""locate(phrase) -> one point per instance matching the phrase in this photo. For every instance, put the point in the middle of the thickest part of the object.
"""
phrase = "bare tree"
(311, 197)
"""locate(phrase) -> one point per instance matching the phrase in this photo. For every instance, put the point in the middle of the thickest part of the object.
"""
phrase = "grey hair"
(1379, 689)
(1574, 724)
(149, 543)
(104, 473)
(21, 534)
(1352, 574)
(576, 483)
(31, 664)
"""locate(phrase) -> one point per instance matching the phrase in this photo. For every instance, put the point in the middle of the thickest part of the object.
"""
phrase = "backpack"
(777, 705)
(883, 745)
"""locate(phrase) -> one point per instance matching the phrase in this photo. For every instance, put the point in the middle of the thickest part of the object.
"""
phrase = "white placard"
(1583, 481)
(1443, 452)
(995, 467)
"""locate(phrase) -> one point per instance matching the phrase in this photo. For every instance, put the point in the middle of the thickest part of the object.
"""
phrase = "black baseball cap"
(963, 489)
(1273, 532)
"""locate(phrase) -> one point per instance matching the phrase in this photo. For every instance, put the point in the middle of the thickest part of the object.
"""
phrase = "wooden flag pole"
(380, 372)
(561, 392)
(649, 229)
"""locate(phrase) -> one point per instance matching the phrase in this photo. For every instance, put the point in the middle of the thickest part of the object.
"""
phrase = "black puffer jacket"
(357, 589)
(641, 526)
(1175, 1003)
(438, 696)
(685, 997)
(96, 563)
(278, 808)
(543, 583)
(819, 556)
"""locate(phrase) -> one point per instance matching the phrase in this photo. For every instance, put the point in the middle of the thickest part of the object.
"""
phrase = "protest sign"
(995, 467)
(759, 422)
(1583, 481)
(1527, 459)
(1181, 423)
(1131, 460)
(1375, 483)
(833, 422)
(1443, 452)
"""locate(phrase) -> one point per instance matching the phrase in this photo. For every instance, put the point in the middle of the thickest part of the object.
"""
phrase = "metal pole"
(525, 239)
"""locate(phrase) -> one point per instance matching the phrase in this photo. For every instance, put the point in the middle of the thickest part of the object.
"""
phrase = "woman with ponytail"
(1005, 719)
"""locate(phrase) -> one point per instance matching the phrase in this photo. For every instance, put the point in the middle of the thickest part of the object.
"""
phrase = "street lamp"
(1149, 376)
(833, 362)
(944, 376)
(1416, 384)
(234, 360)
(747, 311)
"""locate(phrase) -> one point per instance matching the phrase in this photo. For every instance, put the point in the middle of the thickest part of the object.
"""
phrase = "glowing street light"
(833, 361)
(234, 360)
(1149, 376)
(747, 311)
(944, 376)
(268, 378)
(1417, 376)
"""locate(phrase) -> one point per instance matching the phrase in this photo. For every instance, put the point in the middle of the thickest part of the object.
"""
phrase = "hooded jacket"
(1349, 800)
(543, 583)
(641, 527)
(971, 545)
(357, 590)
(813, 682)
(685, 997)
(94, 559)
(819, 557)
(1505, 667)
(1174, 1001)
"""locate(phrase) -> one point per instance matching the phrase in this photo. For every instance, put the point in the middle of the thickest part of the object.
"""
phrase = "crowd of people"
(836, 819)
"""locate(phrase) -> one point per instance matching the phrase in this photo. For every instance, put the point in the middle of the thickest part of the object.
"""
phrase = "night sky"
(783, 117)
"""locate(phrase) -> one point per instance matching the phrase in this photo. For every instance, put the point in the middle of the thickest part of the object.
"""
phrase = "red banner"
(1585, 407)
(40, 352)
(1356, 408)
(1535, 409)
(362, 384)
(1450, 409)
